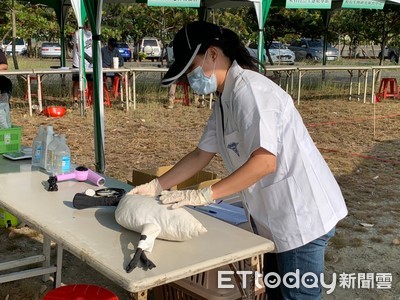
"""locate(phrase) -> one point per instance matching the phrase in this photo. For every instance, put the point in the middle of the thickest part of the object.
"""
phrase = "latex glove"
(187, 197)
(152, 188)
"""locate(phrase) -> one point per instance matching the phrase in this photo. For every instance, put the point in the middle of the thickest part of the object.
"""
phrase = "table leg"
(299, 88)
(126, 82)
(134, 89)
(359, 85)
(138, 295)
(251, 264)
(46, 253)
(374, 72)
(287, 82)
(28, 82)
(351, 84)
(291, 82)
(39, 91)
(130, 88)
(365, 85)
(57, 279)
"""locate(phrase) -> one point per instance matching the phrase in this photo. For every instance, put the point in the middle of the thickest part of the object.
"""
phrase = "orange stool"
(388, 88)
(106, 94)
(116, 87)
(185, 98)
(89, 94)
(32, 78)
(80, 292)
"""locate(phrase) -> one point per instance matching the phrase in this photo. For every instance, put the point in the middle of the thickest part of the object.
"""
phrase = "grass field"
(360, 142)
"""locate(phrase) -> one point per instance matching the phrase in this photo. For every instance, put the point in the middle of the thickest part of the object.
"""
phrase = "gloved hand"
(152, 188)
(187, 197)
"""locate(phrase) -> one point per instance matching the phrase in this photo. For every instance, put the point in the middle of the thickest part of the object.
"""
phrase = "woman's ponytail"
(233, 48)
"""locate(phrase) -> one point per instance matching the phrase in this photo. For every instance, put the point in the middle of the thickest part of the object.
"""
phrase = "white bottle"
(51, 156)
(37, 146)
(47, 140)
(62, 157)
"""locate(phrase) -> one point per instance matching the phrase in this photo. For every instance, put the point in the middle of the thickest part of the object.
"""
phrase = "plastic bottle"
(51, 155)
(37, 146)
(62, 157)
(48, 137)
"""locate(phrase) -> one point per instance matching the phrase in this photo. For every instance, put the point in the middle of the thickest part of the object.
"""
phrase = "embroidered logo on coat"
(234, 148)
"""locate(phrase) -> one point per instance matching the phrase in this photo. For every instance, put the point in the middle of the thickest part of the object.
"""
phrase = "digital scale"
(25, 153)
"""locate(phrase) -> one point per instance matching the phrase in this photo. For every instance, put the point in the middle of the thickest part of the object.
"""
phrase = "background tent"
(262, 8)
(94, 9)
(80, 14)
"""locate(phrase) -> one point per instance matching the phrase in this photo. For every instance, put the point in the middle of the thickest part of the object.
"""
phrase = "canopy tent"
(94, 10)
(80, 14)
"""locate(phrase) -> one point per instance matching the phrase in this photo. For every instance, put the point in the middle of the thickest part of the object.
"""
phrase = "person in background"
(286, 186)
(5, 83)
(108, 52)
(198, 101)
(171, 96)
(172, 87)
(76, 57)
(5, 94)
(3, 61)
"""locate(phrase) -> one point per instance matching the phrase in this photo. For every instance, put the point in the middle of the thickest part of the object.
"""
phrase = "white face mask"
(200, 83)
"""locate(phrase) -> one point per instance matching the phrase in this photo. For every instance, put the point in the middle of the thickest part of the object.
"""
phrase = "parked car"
(147, 48)
(50, 50)
(391, 53)
(253, 50)
(20, 46)
(169, 54)
(311, 49)
(280, 54)
(124, 50)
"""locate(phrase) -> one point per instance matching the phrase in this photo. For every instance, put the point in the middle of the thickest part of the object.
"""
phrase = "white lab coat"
(299, 202)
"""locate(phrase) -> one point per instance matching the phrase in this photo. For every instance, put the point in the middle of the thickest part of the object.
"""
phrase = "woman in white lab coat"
(288, 190)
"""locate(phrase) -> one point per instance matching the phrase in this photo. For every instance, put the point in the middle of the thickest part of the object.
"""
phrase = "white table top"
(67, 70)
(94, 236)
(333, 67)
(16, 72)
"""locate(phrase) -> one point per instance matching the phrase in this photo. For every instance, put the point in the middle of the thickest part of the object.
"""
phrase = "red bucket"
(80, 292)
(54, 111)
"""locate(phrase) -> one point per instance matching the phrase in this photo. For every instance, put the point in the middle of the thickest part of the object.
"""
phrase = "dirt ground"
(362, 151)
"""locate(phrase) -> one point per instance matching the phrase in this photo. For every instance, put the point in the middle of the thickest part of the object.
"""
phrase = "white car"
(147, 48)
(280, 54)
(20, 46)
(253, 50)
(50, 50)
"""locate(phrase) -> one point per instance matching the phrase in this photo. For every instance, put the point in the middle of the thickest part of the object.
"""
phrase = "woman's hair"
(233, 48)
